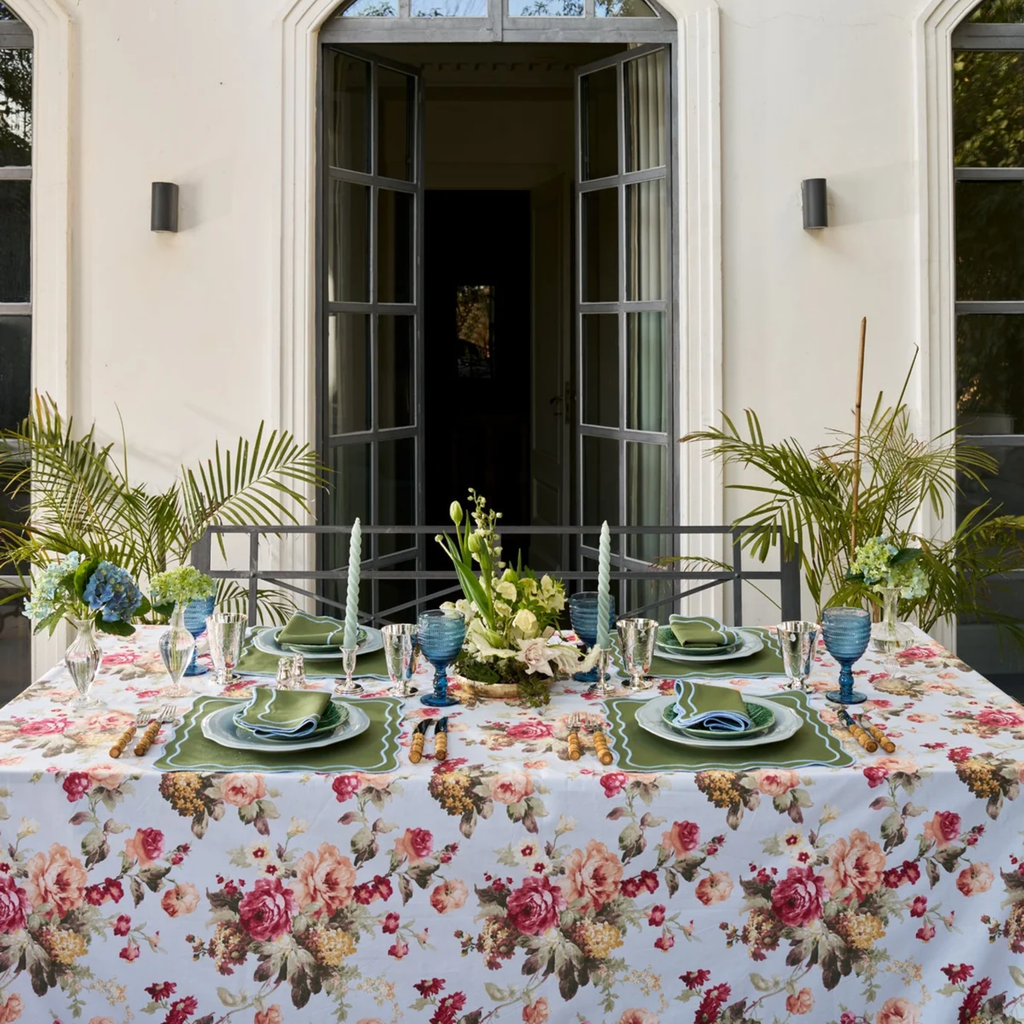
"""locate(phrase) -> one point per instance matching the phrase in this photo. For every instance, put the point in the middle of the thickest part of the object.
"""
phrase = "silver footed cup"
(636, 638)
(797, 640)
(400, 656)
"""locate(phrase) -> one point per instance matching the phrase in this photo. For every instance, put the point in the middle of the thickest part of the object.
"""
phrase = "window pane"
(600, 217)
(15, 369)
(601, 369)
(646, 372)
(990, 374)
(646, 496)
(545, 8)
(989, 240)
(397, 467)
(15, 108)
(600, 481)
(645, 111)
(474, 330)
(988, 100)
(14, 241)
(348, 372)
(348, 496)
(449, 8)
(372, 9)
(623, 9)
(396, 101)
(395, 368)
(998, 11)
(6, 14)
(647, 231)
(348, 226)
(600, 123)
(394, 246)
(349, 120)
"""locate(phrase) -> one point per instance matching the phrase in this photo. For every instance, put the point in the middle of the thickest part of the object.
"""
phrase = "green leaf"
(1017, 974)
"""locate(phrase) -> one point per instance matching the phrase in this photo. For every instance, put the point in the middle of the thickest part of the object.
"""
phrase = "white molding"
(933, 71)
(50, 22)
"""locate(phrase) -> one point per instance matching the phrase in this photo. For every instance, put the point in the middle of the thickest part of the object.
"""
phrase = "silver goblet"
(226, 631)
(636, 638)
(798, 640)
(400, 657)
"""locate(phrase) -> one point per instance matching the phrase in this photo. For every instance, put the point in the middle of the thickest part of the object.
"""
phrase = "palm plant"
(79, 496)
(824, 499)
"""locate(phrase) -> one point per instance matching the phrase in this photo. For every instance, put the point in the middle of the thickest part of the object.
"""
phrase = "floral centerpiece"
(180, 586)
(511, 615)
(881, 566)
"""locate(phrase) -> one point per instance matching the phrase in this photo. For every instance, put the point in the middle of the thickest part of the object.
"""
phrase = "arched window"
(988, 128)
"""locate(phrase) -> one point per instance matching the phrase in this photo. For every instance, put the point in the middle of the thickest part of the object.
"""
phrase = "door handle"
(556, 400)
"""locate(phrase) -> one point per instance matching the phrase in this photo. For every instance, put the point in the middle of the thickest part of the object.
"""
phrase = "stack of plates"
(341, 721)
(668, 647)
(265, 640)
(772, 722)
(329, 650)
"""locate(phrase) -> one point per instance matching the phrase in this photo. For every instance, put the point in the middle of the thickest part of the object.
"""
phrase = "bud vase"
(176, 648)
(83, 660)
(890, 636)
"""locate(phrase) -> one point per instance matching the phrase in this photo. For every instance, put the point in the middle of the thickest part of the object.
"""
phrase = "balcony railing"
(643, 587)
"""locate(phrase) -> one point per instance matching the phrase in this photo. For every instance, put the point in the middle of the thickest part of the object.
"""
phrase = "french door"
(625, 308)
(370, 359)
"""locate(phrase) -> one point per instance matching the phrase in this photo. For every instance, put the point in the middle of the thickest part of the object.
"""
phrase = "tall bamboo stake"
(856, 437)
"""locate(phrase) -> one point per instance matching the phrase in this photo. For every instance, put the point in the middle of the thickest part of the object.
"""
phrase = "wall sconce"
(163, 214)
(815, 203)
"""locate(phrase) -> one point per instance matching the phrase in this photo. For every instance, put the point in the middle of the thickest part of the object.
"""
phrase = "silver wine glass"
(400, 657)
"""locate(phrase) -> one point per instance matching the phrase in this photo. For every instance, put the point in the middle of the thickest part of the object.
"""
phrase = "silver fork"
(126, 737)
(573, 740)
(167, 713)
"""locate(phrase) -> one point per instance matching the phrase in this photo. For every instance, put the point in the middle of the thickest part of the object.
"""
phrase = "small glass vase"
(195, 622)
(177, 646)
(889, 636)
(83, 660)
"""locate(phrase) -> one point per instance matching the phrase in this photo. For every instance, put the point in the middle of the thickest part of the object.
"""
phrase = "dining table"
(809, 880)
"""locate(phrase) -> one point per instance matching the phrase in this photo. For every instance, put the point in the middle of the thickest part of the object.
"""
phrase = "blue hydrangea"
(43, 602)
(112, 590)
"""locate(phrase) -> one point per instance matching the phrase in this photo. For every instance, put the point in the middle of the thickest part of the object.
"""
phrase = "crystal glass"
(400, 657)
(82, 659)
(177, 646)
(226, 631)
(583, 616)
(440, 635)
(636, 641)
(890, 635)
(195, 622)
(348, 687)
(797, 640)
(846, 632)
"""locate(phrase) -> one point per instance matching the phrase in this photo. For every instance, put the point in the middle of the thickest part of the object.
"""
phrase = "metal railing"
(432, 586)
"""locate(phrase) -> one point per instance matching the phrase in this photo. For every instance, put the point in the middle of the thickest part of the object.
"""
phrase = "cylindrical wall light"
(815, 203)
(163, 214)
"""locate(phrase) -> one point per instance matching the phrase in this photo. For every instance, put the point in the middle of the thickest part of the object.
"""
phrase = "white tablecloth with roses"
(512, 884)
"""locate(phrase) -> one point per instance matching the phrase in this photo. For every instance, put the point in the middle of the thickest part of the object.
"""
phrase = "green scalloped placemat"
(258, 663)
(767, 662)
(375, 750)
(637, 750)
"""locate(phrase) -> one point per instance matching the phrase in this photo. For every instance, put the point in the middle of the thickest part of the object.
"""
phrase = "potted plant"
(511, 649)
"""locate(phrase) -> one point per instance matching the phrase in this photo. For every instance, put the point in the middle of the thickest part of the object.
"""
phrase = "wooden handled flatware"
(441, 740)
(883, 741)
(573, 742)
(167, 713)
(856, 731)
(418, 739)
(126, 737)
(604, 755)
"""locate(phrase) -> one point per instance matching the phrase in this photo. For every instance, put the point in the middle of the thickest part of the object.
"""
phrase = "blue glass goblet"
(440, 635)
(583, 616)
(846, 632)
(195, 622)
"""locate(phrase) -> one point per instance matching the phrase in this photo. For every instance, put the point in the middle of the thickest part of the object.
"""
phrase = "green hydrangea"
(880, 564)
(181, 585)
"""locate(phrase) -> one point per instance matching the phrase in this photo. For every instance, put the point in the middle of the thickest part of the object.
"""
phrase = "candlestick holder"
(604, 687)
(349, 686)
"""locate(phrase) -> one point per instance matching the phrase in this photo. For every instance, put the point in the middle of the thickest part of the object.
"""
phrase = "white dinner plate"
(220, 728)
(265, 640)
(787, 723)
(752, 643)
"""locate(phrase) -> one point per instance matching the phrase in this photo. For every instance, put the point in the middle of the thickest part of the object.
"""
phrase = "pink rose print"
(800, 1002)
(106, 776)
(1000, 718)
(11, 1010)
(898, 1011)
(180, 900)
(241, 789)
(776, 782)
(14, 905)
(614, 783)
(876, 775)
(714, 888)
(536, 1013)
(57, 878)
(681, 838)
(797, 899)
(146, 846)
(76, 785)
(325, 877)
(123, 925)
(448, 896)
(266, 912)
(943, 829)
(592, 875)
(417, 845)
(345, 786)
(857, 863)
(634, 1016)
(975, 879)
(43, 727)
(511, 788)
(271, 1015)
(534, 907)
(534, 729)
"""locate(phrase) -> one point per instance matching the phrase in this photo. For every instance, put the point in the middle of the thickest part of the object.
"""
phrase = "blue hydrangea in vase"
(90, 594)
(187, 597)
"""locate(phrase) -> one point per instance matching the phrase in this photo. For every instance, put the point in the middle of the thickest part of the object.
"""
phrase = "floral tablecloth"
(511, 884)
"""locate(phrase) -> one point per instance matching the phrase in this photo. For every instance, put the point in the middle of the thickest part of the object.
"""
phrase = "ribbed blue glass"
(583, 616)
(440, 636)
(846, 632)
(196, 613)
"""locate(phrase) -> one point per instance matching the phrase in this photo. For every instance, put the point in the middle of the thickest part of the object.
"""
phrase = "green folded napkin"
(701, 633)
(715, 708)
(289, 714)
(312, 631)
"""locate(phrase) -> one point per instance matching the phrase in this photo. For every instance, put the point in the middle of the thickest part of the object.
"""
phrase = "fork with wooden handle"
(573, 741)
(126, 737)
(166, 714)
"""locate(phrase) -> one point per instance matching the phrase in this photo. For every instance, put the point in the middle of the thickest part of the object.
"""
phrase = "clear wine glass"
(846, 632)
(400, 657)
(226, 631)
(440, 634)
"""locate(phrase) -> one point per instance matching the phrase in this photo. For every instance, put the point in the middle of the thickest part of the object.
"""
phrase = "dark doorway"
(477, 323)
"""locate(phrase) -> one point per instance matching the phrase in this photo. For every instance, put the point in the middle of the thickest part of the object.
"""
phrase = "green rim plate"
(667, 641)
(762, 717)
(322, 648)
(334, 714)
